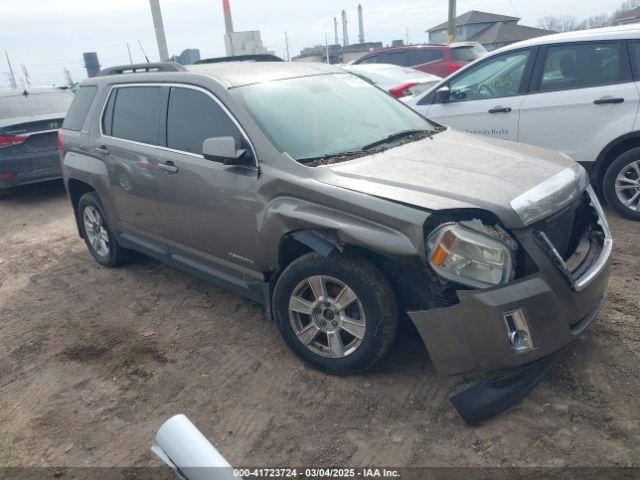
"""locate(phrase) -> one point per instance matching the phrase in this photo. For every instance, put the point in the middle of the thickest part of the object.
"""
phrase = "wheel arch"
(77, 188)
(614, 149)
(405, 279)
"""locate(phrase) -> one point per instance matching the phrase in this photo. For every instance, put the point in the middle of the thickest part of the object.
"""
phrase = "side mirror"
(223, 150)
(443, 95)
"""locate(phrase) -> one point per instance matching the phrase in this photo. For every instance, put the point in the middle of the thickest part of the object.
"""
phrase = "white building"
(244, 43)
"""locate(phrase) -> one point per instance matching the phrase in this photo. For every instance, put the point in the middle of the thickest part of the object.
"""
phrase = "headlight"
(465, 255)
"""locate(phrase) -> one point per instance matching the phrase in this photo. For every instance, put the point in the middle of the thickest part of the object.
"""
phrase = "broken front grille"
(578, 240)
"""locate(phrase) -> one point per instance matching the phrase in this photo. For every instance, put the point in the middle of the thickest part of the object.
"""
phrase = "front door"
(208, 209)
(485, 99)
(584, 99)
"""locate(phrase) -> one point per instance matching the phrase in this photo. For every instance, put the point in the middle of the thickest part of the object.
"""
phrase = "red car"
(441, 60)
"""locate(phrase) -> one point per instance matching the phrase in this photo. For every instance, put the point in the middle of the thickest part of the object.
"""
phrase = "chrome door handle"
(601, 101)
(500, 110)
(168, 167)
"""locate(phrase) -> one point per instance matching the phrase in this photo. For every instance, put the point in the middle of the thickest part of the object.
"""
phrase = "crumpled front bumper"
(472, 335)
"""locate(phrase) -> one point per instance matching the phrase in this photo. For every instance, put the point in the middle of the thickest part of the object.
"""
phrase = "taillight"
(60, 140)
(402, 90)
(452, 67)
(6, 141)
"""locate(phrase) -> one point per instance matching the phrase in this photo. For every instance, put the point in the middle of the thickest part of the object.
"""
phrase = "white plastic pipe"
(181, 446)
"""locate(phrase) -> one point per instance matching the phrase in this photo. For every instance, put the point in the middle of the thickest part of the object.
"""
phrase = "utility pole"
(129, 50)
(451, 27)
(12, 77)
(156, 13)
(335, 30)
(286, 43)
(326, 46)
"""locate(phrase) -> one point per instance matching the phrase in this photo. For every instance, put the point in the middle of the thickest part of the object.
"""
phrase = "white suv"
(575, 92)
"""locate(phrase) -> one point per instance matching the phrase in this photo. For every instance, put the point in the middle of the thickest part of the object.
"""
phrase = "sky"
(46, 36)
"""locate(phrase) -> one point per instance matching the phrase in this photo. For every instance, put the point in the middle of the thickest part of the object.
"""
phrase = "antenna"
(143, 52)
(129, 50)
(12, 77)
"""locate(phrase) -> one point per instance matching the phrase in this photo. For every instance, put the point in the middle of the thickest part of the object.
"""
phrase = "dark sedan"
(29, 124)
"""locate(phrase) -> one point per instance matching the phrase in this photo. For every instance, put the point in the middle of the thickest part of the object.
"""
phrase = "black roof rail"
(142, 67)
(259, 57)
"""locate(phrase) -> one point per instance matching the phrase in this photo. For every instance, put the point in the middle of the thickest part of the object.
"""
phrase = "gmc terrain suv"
(315, 193)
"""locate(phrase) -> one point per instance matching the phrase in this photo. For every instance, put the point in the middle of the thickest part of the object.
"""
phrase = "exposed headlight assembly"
(474, 255)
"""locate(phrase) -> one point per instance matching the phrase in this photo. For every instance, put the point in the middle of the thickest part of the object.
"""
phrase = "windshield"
(322, 115)
(469, 53)
(20, 105)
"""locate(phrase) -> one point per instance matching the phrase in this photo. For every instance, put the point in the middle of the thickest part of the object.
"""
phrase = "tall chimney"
(345, 33)
(159, 28)
(360, 24)
(335, 29)
(228, 22)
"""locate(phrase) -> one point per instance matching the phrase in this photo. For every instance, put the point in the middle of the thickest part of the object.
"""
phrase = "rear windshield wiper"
(396, 136)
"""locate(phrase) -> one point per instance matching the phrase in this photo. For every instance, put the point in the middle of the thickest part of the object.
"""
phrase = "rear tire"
(621, 184)
(352, 315)
(5, 193)
(96, 232)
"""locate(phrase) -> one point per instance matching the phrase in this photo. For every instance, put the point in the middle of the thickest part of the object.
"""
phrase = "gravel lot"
(93, 360)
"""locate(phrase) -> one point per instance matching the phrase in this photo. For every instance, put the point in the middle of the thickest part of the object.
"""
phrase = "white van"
(576, 92)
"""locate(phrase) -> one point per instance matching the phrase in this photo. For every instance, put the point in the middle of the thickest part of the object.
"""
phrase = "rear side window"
(468, 54)
(371, 59)
(136, 113)
(582, 65)
(79, 109)
(418, 57)
(193, 117)
(396, 58)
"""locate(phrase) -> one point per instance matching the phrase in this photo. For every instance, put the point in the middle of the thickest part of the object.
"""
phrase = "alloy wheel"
(628, 186)
(327, 316)
(96, 232)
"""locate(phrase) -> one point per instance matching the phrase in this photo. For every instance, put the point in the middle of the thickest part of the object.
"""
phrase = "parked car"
(398, 81)
(574, 92)
(440, 60)
(29, 124)
(270, 180)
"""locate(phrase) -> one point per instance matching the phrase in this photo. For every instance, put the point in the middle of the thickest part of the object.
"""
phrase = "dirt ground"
(83, 383)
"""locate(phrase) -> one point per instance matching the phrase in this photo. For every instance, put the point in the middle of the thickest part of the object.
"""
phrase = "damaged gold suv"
(320, 196)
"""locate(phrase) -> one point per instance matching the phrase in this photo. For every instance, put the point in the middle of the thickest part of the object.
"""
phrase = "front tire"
(621, 184)
(96, 232)
(337, 313)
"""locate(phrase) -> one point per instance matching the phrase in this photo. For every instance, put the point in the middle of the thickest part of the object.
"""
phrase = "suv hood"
(518, 183)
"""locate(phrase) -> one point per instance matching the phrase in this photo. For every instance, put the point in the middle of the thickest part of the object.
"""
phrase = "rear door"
(128, 144)
(485, 99)
(209, 209)
(583, 97)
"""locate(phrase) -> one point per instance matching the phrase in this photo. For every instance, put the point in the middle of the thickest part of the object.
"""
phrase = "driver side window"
(499, 77)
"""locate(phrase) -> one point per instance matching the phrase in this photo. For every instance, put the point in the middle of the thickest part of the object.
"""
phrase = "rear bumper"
(29, 168)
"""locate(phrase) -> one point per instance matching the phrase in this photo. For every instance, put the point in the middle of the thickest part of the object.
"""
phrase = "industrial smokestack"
(345, 33)
(360, 24)
(228, 22)
(335, 29)
(159, 28)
